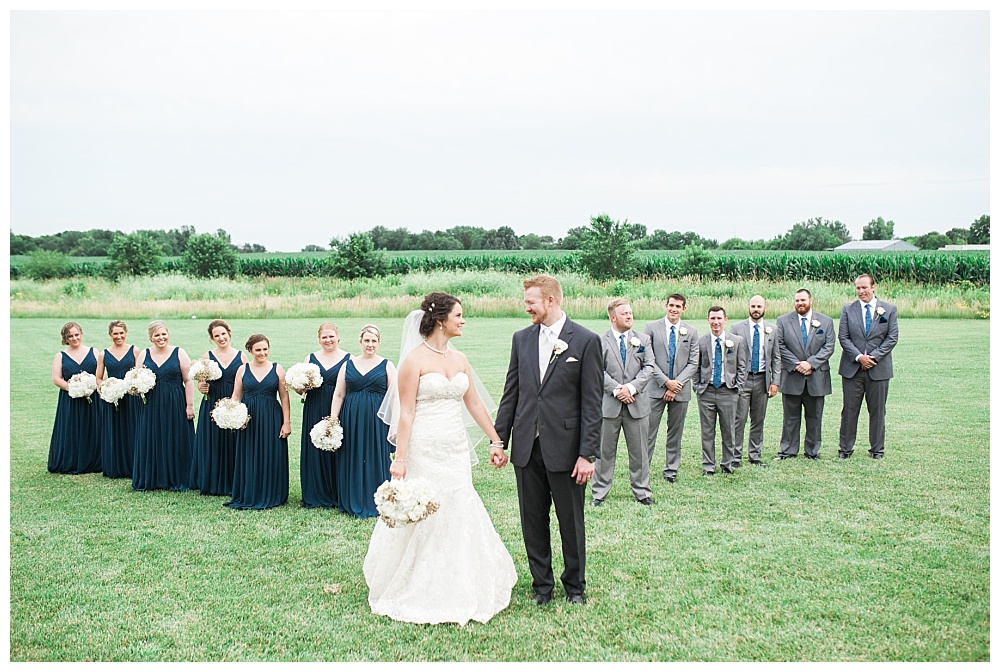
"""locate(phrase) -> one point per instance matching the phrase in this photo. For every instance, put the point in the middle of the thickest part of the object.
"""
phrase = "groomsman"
(628, 366)
(868, 333)
(762, 380)
(675, 355)
(805, 343)
(723, 372)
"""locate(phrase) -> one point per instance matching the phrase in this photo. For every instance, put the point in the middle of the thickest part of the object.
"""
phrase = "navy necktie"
(805, 334)
(755, 358)
(672, 349)
(868, 318)
(717, 374)
(621, 346)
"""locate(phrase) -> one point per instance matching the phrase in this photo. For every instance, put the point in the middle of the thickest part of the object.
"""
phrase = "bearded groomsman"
(868, 333)
(723, 372)
(805, 342)
(675, 363)
(628, 366)
(762, 380)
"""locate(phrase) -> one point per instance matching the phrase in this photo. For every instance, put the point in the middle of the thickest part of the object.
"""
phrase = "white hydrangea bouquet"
(140, 380)
(404, 502)
(83, 385)
(229, 414)
(204, 370)
(112, 390)
(303, 377)
(327, 434)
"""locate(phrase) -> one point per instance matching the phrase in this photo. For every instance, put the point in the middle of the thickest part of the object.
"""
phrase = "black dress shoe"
(726, 470)
(646, 501)
(877, 456)
(844, 456)
(812, 457)
(576, 598)
(542, 598)
(708, 473)
(758, 463)
(669, 479)
(784, 457)
(736, 465)
(597, 502)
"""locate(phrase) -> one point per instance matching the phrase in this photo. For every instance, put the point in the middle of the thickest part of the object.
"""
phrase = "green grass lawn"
(860, 560)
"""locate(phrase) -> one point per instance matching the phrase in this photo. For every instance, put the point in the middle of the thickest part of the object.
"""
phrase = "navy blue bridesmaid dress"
(214, 447)
(75, 447)
(260, 479)
(319, 485)
(119, 425)
(362, 463)
(165, 440)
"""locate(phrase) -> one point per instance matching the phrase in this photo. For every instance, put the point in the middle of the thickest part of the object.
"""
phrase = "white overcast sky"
(288, 128)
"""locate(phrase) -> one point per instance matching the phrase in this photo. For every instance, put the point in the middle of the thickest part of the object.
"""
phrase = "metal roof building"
(876, 246)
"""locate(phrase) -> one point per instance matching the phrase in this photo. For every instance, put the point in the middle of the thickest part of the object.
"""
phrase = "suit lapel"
(566, 336)
(533, 352)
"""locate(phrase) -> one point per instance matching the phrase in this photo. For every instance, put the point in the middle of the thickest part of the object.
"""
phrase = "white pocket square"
(571, 359)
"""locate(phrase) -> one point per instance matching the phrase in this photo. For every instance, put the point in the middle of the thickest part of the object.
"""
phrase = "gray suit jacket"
(818, 350)
(878, 342)
(685, 359)
(736, 362)
(772, 359)
(638, 371)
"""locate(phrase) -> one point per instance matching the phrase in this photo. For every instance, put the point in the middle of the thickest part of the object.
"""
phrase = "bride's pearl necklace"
(443, 353)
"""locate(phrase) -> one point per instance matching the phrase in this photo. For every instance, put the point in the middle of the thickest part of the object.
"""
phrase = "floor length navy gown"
(260, 479)
(165, 440)
(75, 447)
(319, 485)
(362, 463)
(119, 424)
(214, 447)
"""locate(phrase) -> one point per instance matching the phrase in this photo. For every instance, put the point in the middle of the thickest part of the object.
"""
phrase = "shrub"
(607, 251)
(697, 262)
(133, 254)
(208, 256)
(356, 257)
(45, 265)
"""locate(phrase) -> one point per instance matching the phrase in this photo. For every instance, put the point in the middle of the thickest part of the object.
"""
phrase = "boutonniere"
(634, 342)
(558, 349)
(768, 330)
(815, 324)
(683, 331)
(728, 344)
(880, 311)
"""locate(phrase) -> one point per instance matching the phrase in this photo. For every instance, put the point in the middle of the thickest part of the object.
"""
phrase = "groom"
(552, 405)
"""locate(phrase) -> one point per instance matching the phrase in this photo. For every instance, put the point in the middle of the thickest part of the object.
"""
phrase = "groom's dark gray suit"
(548, 423)
(871, 385)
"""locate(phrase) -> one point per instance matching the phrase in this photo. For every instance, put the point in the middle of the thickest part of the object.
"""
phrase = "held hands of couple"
(498, 458)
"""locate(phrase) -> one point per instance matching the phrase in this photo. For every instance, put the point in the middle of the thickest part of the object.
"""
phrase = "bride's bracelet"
(399, 459)
(496, 444)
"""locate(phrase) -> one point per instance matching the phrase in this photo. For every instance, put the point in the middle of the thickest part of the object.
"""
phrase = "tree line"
(98, 242)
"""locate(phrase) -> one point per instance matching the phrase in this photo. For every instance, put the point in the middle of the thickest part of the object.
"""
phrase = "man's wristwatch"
(591, 458)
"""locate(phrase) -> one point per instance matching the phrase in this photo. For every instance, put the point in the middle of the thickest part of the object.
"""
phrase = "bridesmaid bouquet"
(229, 414)
(204, 370)
(404, 502)
(112, 390)
(327, 434)
(83, 384)
(303, 377)
(140, 380)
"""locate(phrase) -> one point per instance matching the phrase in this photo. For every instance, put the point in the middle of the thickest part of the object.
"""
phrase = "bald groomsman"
(868, 333)
(628, 366)
(675, 353)
(805, 342)
(763, 377)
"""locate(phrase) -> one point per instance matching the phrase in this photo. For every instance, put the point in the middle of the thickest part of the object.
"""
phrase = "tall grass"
(486, 294)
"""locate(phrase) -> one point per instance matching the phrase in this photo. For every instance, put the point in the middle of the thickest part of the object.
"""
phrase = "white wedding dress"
(451, 567)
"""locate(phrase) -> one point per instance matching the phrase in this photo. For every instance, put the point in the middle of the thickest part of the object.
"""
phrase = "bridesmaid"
(165, 439)
(75, 447)
(260, 480)
(118, 425)
(362, 463)
(215, 448)
(319, 486)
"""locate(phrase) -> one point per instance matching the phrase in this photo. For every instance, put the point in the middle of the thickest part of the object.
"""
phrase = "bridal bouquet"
(401, 503)
(229, 414)
(303, 377)
(327, 434)
(83, 384)
(140, 380)
(113, 389)
(204, 370)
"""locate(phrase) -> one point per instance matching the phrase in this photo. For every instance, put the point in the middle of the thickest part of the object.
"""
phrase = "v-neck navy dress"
(319, 485)
(75, 446)
(119, 424)
(165, 440)
(214, 447)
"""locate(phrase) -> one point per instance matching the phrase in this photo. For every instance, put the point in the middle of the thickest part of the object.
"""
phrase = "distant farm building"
(961, 248)
(876, 246)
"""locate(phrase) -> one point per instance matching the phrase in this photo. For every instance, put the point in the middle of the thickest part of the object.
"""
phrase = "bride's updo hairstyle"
(437, 307)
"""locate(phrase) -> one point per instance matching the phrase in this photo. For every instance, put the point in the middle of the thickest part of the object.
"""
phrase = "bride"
(451, 567)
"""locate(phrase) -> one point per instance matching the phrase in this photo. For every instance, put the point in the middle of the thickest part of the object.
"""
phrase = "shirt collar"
(557, 326)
